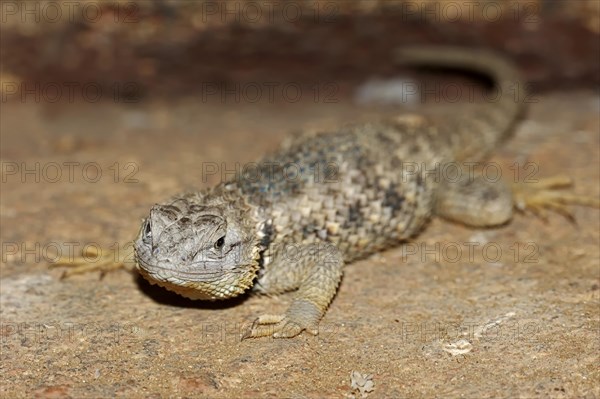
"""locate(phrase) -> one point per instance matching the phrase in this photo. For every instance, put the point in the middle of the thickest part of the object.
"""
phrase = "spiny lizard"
(328, 199)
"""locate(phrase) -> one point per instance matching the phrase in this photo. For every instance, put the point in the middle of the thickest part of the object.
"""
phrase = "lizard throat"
(222, 286)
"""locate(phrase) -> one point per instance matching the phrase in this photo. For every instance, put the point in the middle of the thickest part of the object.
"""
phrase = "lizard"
(330, 198)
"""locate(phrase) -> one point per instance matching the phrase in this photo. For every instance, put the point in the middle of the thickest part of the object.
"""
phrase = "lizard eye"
(147, 237)
(220, 242)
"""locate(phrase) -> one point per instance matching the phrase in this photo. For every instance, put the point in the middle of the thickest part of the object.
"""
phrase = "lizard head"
(201, 246)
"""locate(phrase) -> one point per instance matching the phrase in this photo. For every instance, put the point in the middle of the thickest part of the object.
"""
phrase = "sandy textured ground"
(524, 307)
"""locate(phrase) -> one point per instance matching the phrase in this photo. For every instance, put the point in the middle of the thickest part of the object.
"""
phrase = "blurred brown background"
(174, 46)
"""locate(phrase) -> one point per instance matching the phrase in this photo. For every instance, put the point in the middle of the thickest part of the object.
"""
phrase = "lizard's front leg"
(315, 270)
(93, 259)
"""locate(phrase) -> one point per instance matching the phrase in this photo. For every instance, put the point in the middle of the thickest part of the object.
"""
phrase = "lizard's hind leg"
(474, 201)
(479, 202)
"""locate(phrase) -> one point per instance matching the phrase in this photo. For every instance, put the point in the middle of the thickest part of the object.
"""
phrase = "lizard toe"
(302, 316)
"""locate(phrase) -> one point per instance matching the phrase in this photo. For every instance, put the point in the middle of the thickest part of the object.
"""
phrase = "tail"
(478, 131)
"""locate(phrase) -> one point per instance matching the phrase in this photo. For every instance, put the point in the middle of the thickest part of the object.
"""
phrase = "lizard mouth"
(197, 280)
(199, 270)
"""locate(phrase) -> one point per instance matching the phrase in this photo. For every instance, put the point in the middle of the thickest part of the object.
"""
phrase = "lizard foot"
(91, 260)
(301, 316)
(539, 196)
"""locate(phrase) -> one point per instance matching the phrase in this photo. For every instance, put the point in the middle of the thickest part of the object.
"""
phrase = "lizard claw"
(301, 316)
(543, 195)
(277, 326)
